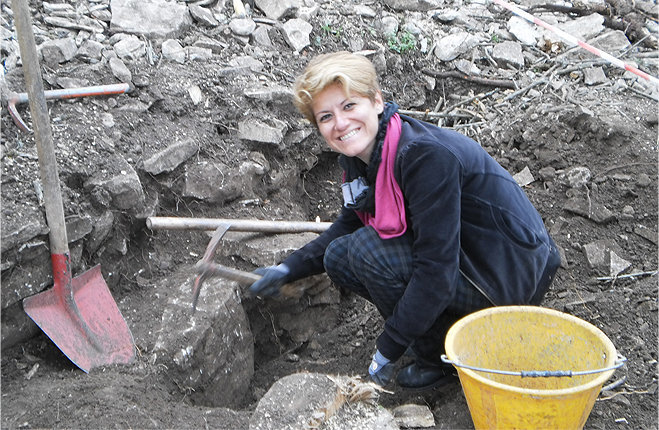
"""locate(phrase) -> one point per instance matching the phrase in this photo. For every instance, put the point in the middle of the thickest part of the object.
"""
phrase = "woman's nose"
(340, 121)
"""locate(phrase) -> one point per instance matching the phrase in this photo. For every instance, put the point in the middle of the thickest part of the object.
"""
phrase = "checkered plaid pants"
(379, 270)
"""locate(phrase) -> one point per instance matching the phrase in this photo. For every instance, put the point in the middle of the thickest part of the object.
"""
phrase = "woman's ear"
(379, 102)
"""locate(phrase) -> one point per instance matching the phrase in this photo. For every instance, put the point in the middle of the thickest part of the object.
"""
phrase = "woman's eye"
(324, 118)
(348, 106)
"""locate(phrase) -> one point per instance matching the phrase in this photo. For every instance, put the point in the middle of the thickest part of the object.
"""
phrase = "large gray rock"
(242, 26)
(90, 50)
(278, 9)
(523, 30)
(612, 42)
(120, 70)
(102, 228)
(583, 28)
(16, 232)
(58, 50)
(203, 16)
(212, 350)
(261, 249)
(296, 33)
(603, 257)
(130, 48)
(260, 131)
(120, 188)
(414, 416)
(173, 51)
(314, 400)
(156, 19)
(450, 47)
(276, 93)
(590, 209)
(508, 54)
(213, 182)
(413, 5)
(170, 158)
(31, 274)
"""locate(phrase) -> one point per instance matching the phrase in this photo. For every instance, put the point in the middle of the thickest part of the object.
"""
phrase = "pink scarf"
(389, 220)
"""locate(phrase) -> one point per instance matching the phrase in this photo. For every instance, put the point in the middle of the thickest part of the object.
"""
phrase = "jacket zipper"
(477, 287)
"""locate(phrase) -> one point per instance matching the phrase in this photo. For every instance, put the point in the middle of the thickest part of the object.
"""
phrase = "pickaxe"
(206, 268)
(66, 93)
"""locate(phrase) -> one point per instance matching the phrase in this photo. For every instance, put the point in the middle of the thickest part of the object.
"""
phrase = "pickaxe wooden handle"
(66, 93)
(206, 269)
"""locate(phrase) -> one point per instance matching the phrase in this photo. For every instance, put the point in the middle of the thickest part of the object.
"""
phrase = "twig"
(469, 100)
(525, 89)
(624, 52)
(489, 58)
(622, 166)
(614, 384)
(469, 124)
(630, 275)
(569, 9)
(649, 54)
(641, 93)
(621, 393)
(476, 80)
(581, 66)
(429, 115)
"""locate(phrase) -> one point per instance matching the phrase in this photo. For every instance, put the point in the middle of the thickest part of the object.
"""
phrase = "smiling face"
(349, 123)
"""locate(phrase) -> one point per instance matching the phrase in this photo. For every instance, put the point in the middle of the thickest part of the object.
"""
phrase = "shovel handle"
(42, 132)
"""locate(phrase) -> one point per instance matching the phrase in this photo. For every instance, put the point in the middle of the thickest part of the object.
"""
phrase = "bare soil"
(610, 131)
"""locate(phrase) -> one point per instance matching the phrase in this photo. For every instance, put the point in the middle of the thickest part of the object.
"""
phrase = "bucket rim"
(595, 382)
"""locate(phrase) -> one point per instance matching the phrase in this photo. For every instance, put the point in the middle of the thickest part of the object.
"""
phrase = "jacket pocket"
(514, 229)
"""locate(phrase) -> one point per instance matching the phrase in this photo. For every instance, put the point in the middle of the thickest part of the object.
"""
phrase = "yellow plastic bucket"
(533, 341)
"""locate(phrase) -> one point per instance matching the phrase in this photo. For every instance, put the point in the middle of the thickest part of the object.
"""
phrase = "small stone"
(547, 173)
(618, 264)
(413, 416)
(643, 180)
(594, 76)
(195, 94)
(524, 177)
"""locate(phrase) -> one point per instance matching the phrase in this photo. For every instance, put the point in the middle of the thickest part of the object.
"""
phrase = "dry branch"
(630, 275)
(482, 81)
(601, 9)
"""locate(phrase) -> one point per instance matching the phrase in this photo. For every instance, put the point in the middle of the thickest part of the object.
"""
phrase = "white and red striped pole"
(610, 58)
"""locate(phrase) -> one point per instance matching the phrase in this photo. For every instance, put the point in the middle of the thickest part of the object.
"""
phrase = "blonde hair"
(354, 72)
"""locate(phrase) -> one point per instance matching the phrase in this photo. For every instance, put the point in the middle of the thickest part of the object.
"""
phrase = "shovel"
(78, 314)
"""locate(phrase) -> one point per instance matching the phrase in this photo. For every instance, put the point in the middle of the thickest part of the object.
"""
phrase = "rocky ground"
(207, 129)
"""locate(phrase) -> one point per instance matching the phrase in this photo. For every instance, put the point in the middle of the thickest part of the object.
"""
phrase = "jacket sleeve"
(308, 260)
(430, 178)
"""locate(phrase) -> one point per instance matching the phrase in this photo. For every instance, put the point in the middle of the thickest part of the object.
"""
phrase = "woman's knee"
(336, 256)
(363, 247)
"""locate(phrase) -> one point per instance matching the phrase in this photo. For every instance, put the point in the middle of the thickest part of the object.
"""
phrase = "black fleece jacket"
(467, 214)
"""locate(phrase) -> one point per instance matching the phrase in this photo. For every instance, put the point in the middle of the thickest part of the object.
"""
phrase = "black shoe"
(425, 377)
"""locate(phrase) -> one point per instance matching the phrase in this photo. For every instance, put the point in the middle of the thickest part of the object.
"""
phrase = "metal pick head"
(208, 258)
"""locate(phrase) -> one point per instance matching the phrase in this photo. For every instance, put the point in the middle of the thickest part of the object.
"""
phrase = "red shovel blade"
(94, 334)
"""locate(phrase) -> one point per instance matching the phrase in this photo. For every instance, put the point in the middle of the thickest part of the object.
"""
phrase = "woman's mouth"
(348, 135)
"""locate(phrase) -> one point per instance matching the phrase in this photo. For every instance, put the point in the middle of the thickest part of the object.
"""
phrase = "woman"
(432, 227)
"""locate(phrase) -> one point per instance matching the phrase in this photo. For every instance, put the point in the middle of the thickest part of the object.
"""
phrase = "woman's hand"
(381, 369)
(274, 277)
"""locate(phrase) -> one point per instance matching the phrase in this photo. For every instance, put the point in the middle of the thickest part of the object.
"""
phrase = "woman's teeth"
(348, 136)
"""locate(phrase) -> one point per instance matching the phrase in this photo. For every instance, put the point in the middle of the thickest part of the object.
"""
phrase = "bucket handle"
(620, 361)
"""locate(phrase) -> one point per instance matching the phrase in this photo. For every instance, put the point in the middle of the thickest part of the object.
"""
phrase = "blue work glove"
(273, 278)
(381, 369)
